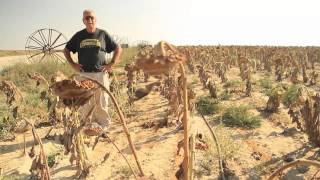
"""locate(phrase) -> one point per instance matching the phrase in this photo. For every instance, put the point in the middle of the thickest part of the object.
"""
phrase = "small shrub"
(207, 105)
(291, 95)
(265, 83)
(206, 167)
(233, 83)
(229, 146)
(53, 157)
(278, 89)
(7, 122)
(225, 95)
(51, 160)
(194, 81)
(240, 117)
(125, 171)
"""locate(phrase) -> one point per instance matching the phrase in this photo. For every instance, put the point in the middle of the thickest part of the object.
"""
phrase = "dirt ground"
(10, 60)
(251, 154)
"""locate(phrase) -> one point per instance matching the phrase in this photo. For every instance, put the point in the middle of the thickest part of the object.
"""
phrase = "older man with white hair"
(92, 44)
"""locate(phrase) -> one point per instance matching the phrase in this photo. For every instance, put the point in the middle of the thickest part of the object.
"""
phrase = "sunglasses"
(89, 17)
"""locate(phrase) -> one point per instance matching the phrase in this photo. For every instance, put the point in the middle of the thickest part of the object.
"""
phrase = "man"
(92, 44)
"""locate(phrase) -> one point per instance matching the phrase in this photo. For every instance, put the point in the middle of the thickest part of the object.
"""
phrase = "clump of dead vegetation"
(54, 104)
(34, 105)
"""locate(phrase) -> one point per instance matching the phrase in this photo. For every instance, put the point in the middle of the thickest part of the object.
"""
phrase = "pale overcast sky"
(193, 22)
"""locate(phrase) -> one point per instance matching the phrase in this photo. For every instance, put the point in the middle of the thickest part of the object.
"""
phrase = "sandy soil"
(11, 60)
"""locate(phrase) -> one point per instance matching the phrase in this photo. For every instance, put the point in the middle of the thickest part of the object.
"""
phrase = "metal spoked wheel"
(45, 43)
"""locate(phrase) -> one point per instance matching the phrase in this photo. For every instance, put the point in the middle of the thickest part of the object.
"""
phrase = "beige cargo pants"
(100, 99)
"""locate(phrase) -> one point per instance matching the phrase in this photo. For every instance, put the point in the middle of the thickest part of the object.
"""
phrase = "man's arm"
(116, 55)
(115, 59)
(74, 65)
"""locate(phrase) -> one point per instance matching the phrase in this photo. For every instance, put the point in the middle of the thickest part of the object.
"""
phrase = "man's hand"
(106, 68)
(114, 60)
(77, 67)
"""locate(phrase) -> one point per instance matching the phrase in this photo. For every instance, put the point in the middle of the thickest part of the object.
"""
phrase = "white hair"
(88, 11)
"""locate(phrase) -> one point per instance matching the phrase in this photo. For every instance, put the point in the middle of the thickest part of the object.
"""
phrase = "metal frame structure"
(45, 43)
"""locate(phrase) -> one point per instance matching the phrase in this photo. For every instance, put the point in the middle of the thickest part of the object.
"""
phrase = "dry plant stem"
(79, 140)
(214, 136)
(185, 123)
(315, 174)
(96, 140)
(37, 138)
(24, 144)
(122, 156)
(81, 125)
(44, 79)
(39, 76)
(79, 145)
(81, 151)
(120, 114)
(294, 163)
(192, 156)
(48, 133)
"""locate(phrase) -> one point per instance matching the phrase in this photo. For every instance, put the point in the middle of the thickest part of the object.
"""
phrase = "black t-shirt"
(91, 48)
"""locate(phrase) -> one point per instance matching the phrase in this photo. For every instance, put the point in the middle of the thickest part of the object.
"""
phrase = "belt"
(92, 71)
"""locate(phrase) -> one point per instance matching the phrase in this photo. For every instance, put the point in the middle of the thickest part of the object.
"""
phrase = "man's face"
(89, 19)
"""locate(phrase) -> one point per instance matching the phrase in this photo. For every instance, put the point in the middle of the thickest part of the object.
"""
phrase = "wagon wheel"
(45, 43)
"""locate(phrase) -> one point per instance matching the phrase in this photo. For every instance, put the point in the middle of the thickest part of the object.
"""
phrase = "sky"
(180, 22)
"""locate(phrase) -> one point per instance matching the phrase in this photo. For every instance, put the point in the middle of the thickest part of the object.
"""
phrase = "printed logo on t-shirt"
(89, 43)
